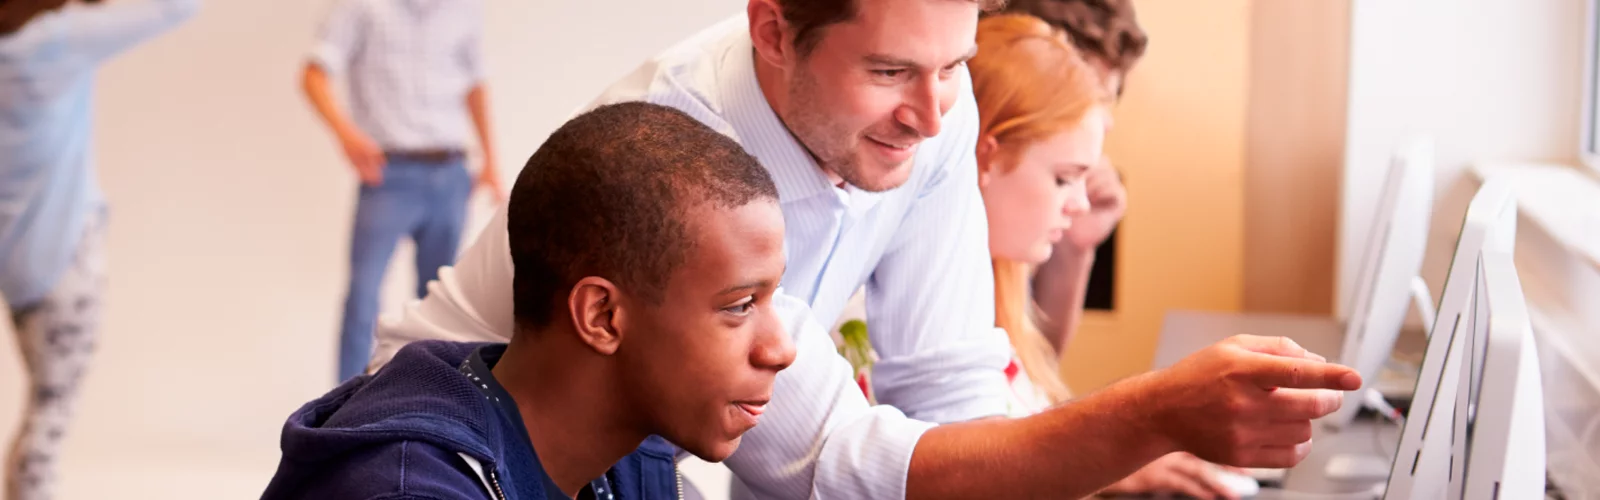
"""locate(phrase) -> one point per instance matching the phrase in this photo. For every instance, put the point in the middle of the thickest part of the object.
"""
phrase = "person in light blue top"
(51, 210)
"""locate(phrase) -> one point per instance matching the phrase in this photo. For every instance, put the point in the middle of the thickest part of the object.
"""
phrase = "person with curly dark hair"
(1106, 33)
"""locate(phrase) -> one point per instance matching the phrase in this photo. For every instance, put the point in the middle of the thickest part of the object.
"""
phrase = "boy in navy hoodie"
(647, 250)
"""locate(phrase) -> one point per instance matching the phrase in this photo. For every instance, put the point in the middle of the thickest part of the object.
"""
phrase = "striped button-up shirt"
(409, 65)
(921, 250)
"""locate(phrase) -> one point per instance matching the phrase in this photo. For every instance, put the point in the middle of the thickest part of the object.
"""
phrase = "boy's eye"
(889, 73)
(743, 307)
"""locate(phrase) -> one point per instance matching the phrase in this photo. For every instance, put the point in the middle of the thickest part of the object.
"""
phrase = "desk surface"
(1365, 436)
(1185, 332)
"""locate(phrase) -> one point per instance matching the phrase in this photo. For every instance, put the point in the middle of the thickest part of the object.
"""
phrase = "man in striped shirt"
(862, 111)
(415, 75)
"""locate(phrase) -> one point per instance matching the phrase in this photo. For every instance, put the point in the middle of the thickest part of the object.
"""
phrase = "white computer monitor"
(1499, 439)
(1390, 264)
(1422, 466)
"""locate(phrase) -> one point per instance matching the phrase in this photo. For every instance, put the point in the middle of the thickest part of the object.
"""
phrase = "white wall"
(230, 213)
(1488, 79)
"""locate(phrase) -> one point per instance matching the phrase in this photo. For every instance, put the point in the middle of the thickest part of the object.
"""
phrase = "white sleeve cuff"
(869, 458)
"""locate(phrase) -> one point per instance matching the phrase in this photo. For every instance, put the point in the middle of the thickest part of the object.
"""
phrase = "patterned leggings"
(56, 336)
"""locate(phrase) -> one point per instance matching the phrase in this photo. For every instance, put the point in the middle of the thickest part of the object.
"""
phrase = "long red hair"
(1030, 84)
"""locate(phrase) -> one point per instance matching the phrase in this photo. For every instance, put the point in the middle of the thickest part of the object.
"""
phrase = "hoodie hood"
(423, 397)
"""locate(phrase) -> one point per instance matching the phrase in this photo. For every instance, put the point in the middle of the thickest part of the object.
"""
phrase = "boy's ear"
(593, 305)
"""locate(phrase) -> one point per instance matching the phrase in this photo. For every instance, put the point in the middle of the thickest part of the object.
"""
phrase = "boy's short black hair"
(608, 195)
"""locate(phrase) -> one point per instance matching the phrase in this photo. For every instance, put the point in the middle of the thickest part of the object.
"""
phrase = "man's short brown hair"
(1106, 30)
(809, 17)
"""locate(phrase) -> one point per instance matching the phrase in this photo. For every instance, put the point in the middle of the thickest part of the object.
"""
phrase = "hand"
(1175, 473)
(364, 155)
(1108, 200)
(489, 180)
(1248, 401)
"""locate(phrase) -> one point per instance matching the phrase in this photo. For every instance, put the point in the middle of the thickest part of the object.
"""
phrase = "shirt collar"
(762, 134)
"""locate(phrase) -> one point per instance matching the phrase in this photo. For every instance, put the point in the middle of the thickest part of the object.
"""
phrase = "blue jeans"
(426, 201)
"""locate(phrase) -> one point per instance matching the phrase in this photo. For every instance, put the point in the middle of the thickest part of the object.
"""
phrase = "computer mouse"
(1267, 477)
(1240, 485)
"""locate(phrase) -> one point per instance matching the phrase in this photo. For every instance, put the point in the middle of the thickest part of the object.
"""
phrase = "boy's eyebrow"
(755, 284)
(747, 286)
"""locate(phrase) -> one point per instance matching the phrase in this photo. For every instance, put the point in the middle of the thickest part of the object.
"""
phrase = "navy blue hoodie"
(419, 428)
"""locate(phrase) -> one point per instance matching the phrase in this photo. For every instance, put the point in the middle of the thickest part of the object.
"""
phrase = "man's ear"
(769, 32)
(988, 154)
(593, 305)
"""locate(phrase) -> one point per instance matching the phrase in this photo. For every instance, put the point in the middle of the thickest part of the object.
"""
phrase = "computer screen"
(1475, 349)
(1500, 422)
(1478, 345)
(1389, 265)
